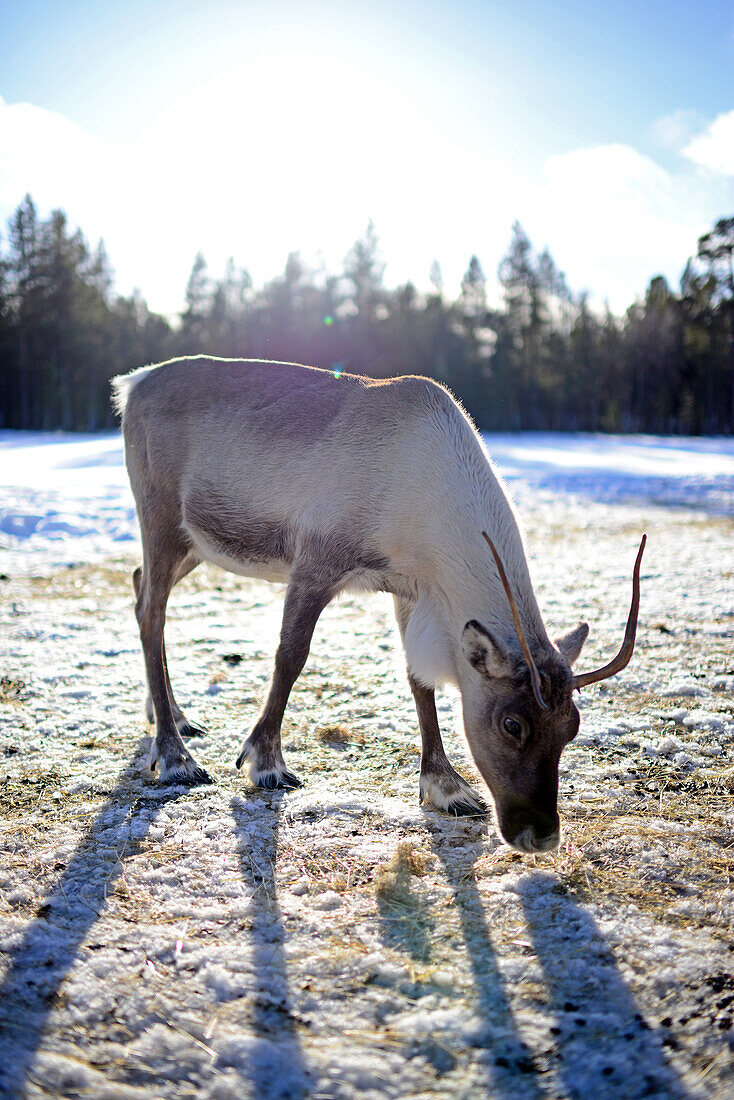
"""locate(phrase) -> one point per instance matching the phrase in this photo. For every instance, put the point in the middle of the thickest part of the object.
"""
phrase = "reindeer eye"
(513, 727)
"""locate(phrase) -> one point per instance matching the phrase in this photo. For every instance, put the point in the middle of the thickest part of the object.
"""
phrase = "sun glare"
(297, 151)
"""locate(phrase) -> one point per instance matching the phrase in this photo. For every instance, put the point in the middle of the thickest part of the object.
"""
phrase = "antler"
(623, 657)
(534, 677)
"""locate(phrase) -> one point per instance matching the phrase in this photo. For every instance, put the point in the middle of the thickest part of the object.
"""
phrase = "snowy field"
(340, 941)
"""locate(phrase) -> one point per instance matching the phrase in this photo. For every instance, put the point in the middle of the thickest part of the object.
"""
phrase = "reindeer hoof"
(187, 729)
(278, 780)
(461, 808)
(187, 776)
(266, 767)
(446, 791)
(200, 778)
(179, 768)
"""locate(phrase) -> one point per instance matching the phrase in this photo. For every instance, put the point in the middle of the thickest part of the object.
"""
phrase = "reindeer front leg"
(440, 784)
(306, 597)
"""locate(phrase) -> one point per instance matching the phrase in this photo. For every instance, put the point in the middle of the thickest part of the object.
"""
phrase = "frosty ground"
(341, 941)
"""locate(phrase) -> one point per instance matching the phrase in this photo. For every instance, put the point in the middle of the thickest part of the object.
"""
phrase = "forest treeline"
(543, 360)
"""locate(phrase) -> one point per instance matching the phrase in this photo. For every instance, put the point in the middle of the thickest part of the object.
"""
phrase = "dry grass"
(335, 868)
(392, 879)
(20, 794)
(603, 855)
(11, 689)
(663, 844)
(339, 735)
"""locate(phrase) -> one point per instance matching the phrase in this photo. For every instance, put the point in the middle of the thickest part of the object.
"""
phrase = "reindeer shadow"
(511, 1071)
(51, 943)
(605, 1049)
(275, 1065)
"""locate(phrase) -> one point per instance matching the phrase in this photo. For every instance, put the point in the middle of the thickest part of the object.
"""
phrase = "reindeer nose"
(529, 841)
(530, 831)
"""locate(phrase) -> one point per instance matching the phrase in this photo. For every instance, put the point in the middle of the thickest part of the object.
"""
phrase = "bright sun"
(296, 151)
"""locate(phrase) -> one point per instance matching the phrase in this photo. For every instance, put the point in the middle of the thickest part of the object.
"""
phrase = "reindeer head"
(519, 715)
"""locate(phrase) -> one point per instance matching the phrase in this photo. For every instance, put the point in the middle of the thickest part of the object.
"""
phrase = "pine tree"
(716, 253)
(435, 277)
(194, 319)
(364, 270)
(365, 301)
(25, 296)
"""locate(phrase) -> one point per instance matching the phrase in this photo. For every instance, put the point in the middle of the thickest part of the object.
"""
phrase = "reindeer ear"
(484, 652)
(572, 643)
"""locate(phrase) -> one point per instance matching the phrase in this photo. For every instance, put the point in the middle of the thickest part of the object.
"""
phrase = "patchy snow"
(66, 496)
(340, 941)
(674, 470)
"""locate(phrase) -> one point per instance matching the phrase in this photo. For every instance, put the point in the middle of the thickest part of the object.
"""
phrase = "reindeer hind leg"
(185, 728)
(164, 554)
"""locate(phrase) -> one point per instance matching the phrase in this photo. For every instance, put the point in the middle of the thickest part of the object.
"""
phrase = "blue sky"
(254, 128)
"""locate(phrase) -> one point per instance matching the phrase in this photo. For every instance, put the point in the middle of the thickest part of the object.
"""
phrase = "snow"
(222, 942)
(697, 473)
(65, 495)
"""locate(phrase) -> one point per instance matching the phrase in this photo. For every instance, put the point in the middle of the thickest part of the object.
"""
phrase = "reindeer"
(335, 482)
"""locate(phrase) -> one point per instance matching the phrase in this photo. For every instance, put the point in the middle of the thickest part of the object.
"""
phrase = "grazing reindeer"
(336, 482)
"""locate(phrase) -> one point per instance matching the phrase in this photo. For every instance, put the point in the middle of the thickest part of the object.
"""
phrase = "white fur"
(408, 463)
(443, 793)
(485, 652)
(123, 383)
(428, 646)
(527, 841)
(276, 572)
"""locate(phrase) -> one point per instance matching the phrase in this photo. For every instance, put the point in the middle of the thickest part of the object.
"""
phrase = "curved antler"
(534, 677)
(623, 657)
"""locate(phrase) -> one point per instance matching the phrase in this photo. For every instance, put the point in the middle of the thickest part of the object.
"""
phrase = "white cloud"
(673, 131)
(62, 166)
(612, 218)
(45, 151)
(714, 148)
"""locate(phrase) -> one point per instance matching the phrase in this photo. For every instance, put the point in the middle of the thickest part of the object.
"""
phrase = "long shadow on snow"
(511, 1071)
(274, 1066)
(46, 954)
(605, 1048)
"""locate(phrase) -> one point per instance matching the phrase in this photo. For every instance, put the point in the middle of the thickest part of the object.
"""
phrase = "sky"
(253, 129)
